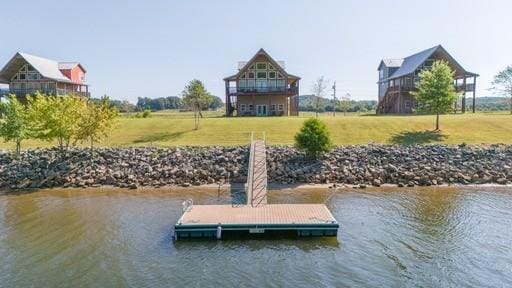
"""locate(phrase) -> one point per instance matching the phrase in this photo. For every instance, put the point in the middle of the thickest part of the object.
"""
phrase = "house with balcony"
(262, 87)
(398, 77)
(26, 74)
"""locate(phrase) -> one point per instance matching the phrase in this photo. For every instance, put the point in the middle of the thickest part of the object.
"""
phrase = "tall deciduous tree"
(56, 118)
(436, 90)
(14, 124)
(96, 120)
(319, 89)
(197, 98)
(502, 83)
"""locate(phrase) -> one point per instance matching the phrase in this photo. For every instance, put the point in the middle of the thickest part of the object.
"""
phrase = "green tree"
(436, 91)
(196, 97)
(97, 119)
(56, 118)
(313, 138)
(14, 124)
(502, 83)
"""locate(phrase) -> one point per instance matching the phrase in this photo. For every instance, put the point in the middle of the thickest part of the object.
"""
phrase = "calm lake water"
(390, 237)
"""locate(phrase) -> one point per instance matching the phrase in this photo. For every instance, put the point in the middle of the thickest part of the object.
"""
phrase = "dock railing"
(250, 173)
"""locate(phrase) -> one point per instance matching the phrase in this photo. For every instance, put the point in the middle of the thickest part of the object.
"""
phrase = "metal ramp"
(256, 186)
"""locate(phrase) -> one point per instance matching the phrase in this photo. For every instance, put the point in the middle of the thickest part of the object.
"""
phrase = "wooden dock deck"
(210, 220)
(257, 216)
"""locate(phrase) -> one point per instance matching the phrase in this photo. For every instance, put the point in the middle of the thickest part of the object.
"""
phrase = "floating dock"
(213, 220)
(257, 216)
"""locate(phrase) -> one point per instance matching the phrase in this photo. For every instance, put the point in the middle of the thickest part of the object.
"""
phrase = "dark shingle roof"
(411, 63)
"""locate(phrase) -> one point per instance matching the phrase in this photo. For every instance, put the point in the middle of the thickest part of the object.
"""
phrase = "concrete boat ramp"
(256, 216)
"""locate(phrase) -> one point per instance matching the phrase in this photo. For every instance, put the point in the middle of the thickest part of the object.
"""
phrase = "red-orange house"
(25, 74)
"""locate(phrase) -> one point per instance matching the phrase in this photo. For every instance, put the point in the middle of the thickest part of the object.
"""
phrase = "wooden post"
(228, 100)
(464, 95)
(474, 94)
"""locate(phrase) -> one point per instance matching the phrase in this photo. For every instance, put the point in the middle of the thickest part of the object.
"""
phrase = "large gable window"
(261, 66)
(27, 72)
(272, 74)
(261, 75)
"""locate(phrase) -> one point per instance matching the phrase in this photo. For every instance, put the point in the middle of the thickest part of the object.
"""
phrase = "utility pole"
(334, 99)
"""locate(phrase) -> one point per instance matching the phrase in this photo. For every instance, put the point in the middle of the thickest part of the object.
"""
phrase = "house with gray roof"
(26, 74)
(398, 77)
(262, 87)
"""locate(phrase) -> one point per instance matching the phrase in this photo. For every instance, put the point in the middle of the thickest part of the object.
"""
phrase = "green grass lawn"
(170, 128)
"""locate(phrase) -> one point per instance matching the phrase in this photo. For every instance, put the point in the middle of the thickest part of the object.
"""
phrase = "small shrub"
(146, 113)
(313, 138)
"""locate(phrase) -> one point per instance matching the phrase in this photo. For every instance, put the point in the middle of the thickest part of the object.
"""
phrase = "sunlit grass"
(171, 128)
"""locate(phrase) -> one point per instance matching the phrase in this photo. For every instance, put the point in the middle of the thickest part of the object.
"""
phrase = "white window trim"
(281, 107)
(242, 107)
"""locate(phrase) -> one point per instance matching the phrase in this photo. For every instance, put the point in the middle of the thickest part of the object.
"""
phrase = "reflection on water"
(432, 237)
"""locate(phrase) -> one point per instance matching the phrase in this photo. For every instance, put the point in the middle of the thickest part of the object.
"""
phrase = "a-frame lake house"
(262, 87)
(399, 77)
(26, 74)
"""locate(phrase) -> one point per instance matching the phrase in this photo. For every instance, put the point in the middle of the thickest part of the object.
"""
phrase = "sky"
(152, 49)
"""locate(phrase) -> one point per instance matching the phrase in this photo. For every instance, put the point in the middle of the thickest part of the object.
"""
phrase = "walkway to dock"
(256, 187)
(256, 216)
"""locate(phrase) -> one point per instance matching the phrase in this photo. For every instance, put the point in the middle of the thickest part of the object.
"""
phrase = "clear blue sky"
(152, 48)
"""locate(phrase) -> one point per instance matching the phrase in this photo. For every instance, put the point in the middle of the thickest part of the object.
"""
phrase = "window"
(251, 107)
(251, 67)
(242, 107)
(281, 107)
(381, 73)
(261, 66)
(261, 75)
(23, 76)
(270, 67)
(279, 75)
(272, 74)
(250, 75)
(30, 68)
(32, 76)
(273, 107)
(242, 76)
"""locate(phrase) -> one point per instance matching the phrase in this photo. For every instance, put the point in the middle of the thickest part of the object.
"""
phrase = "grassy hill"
(169, 128)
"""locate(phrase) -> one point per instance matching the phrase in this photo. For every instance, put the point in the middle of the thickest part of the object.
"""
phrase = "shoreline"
(271, 187)
(351, 166)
